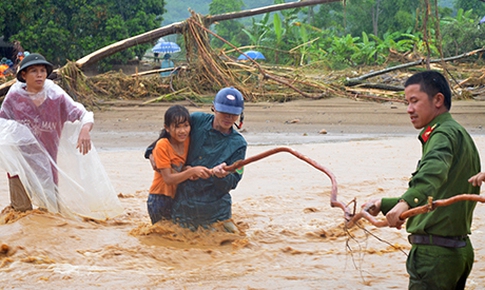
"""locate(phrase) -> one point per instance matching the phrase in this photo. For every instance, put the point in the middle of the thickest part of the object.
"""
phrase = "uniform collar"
(426, 132)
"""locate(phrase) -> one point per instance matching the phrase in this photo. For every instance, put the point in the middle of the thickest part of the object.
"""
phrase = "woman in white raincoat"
(38, 121)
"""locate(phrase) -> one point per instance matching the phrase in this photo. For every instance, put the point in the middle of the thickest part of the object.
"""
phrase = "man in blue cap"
(214, 143)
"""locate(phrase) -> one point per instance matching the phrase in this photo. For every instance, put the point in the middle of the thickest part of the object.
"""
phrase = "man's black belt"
(448, 242)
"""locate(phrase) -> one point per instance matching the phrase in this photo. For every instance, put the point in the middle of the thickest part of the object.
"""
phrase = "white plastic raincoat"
(38, 143)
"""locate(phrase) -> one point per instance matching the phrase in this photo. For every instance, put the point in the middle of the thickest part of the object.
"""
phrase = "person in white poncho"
(38, 121)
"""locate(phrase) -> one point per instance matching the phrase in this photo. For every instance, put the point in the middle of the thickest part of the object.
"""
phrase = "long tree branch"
(267, 9)
(129, 42)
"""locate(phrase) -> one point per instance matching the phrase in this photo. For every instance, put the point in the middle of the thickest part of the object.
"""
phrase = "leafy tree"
(331, 17)
(343, 48)
(279, 32)
(461, 33)
(13, 14)
(397, 15)
(178, 10)
(258, 30)
(282, 34)
(70, 29)
(477, 6)
(230, 30)
(370, 16)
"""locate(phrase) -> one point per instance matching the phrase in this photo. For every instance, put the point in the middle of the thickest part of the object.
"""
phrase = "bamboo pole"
(164, 96)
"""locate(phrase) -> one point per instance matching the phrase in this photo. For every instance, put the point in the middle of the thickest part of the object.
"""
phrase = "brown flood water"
(290, 236)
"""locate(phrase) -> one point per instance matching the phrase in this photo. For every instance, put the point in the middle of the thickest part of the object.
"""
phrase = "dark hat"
(229, 100)
(33, 59)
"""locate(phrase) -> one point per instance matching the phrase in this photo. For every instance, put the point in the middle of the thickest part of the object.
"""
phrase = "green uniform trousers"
(435, 267)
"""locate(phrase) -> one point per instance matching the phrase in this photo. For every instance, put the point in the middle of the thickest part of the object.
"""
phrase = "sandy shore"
(283, 123)
(291, 237)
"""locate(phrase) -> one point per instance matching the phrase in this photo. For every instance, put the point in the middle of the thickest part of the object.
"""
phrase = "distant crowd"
(8, 67)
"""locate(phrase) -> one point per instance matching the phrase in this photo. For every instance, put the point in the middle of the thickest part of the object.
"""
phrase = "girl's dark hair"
(175, 115)
(431, 83)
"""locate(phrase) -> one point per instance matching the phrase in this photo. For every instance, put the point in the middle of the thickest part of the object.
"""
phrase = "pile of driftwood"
(199, 81)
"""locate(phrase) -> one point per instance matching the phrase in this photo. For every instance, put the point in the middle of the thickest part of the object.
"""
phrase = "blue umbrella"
(253, 54)
(166, 47)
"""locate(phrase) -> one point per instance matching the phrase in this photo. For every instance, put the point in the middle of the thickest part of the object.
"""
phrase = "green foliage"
(367, 51)
(282, 34)
(279, 31)
(12, 13)
(477, 6)
(397, 15)
(70, 29)
(302, 34)
(461, 33)
(343, 48)
(230, 30)
(369, 16)
(258, 30)
(331, 17)
(178, 10)
(364, 32)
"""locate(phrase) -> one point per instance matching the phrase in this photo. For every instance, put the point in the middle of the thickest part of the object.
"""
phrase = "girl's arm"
(172, 178)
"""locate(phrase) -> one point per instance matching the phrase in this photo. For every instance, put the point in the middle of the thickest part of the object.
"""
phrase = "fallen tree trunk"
(359, 80)
(4, 87)
(267, 9)
(129, 42)
(381, 87)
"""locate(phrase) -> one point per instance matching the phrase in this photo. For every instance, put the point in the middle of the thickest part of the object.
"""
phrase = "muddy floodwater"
(290, 237)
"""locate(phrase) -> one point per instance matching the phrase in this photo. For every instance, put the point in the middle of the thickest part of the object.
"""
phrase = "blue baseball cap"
(229, 100)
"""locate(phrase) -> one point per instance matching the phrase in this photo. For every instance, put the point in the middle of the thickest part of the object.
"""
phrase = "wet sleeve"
(6, 109)
(432, 172)
(161, 154)
(72, 110)
(231, 180)
(3, 114)
(388, 203)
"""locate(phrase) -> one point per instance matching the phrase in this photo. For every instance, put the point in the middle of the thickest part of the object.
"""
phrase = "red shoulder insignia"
(427, 132)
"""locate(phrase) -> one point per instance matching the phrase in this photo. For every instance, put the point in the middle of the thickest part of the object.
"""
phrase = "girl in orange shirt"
(169, 155)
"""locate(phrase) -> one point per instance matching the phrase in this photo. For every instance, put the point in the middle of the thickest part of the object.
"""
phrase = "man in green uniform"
(441, 255)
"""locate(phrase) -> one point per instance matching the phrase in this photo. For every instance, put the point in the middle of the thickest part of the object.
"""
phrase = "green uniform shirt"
(449, 159)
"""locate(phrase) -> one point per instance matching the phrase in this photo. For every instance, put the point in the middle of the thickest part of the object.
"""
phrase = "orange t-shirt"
(166, 157)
